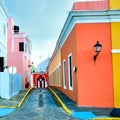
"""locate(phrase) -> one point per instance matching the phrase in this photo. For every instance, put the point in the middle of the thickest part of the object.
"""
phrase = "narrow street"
(40, 105)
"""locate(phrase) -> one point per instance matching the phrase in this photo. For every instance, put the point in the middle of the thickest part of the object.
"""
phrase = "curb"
(108, 118)
(23, 99)
(60, 101)
(69, 112)
(12, 107)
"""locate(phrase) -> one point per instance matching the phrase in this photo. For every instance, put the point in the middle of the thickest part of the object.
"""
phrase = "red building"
(40, 80)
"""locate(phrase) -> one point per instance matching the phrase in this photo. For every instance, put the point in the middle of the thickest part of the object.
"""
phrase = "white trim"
(115, 51)
(70, 87)
(20, 35)
(64, 74)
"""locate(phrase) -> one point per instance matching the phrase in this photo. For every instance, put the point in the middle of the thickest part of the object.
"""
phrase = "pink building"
(19, 52)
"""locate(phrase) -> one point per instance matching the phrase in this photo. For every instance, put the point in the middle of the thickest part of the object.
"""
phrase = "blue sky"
(42, 20)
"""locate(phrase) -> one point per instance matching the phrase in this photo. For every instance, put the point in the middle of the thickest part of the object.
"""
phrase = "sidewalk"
(9, 106)
(94, 111)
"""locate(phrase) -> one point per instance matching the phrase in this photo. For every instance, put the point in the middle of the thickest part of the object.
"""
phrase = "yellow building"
(54, 69)
(115, 36)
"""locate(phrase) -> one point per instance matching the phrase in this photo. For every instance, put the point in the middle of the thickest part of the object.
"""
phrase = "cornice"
(74, 17)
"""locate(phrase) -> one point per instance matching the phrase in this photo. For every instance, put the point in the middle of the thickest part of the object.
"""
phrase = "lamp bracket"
(95, 57)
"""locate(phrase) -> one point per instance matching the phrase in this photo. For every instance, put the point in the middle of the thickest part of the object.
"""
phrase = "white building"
(3, 36)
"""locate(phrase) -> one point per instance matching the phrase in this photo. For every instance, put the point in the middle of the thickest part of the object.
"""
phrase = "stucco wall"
(115, 28)
(54, 70)
(69, 48)
(5, 84)
(95, 84)
(114, 4)
(91, 5)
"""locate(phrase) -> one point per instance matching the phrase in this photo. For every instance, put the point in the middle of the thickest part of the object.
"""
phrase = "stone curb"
(12, 107)
(69, 112)
(60, 101)
(108, 118)
(23, 99)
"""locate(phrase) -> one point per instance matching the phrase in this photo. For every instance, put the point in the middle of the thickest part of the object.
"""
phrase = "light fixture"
(97, 48)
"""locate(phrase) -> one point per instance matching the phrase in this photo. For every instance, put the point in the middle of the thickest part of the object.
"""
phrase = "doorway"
(40, 82)
(1, 64)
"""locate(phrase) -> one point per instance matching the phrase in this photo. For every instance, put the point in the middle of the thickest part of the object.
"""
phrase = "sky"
(42, 20)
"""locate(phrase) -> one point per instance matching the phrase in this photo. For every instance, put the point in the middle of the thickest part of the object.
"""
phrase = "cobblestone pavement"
(39, 105)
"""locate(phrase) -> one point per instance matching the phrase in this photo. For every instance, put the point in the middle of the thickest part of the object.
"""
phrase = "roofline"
(85, 16)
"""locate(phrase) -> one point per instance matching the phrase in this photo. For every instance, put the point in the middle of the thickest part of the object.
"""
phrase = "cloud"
(42, 20)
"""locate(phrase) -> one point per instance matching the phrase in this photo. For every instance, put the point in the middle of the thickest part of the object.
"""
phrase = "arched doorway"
(40, 82)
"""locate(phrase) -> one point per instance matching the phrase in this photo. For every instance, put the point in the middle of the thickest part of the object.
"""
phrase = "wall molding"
(74, 17)
(115, 51)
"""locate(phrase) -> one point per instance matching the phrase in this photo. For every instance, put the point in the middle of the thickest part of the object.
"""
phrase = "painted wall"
(19, 59)
(91, 5)
(55, 61)
(114, 4)
(9, 34)
(5, 84)
(95, 85)
(68, 48)
(36, 75)
(115, 28)
(54, 70)
(90, 81)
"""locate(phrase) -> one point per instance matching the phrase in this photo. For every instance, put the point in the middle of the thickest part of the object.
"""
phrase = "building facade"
(19, 52)
(85, 81)
(3, 36)
(115, 36)
(39, 79)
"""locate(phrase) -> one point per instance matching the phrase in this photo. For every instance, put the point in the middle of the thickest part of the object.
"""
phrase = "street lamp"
(97, 48)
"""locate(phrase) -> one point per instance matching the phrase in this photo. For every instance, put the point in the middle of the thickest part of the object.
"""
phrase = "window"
(21, 46)
(60, 76)
(64, 73)
(16, 29)
(70, 72)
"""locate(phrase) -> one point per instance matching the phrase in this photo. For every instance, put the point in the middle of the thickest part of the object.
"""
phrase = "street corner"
(83, 115)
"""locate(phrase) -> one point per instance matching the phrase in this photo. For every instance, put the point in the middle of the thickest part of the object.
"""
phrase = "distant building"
(40, 78)
(42, 67)
(72, 68)
(3, 36)
(19, 52)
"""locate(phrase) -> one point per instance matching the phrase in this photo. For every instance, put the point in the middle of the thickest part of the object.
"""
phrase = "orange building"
(84, 80)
